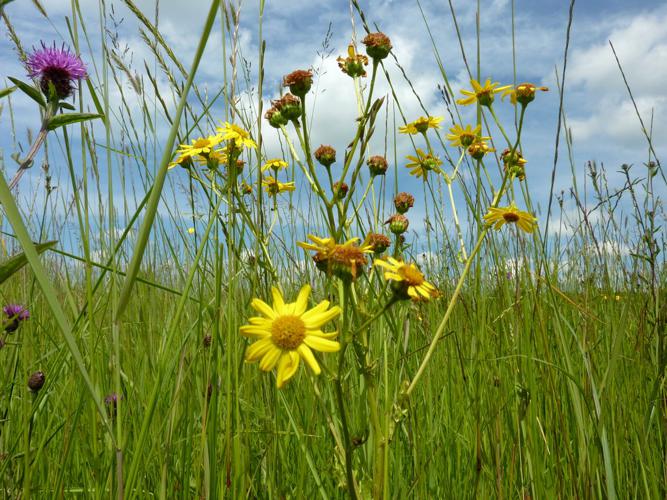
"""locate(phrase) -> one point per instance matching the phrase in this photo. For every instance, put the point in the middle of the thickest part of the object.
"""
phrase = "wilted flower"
(377, 242)
(58, 67)
(15, 314)
(377, 165)
(514, 163)
(289, 106)
(299, 82)
(345, 260)
(275, 117)
(478, 149)
(286, 333)
(377, 45)
(325, 155)
(498, 216)
(421, 125)
(354, 63)
(403, 202)
(484, 95)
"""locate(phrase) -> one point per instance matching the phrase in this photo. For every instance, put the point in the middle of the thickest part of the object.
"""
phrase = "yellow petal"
(270, 359)
(254, 332)
(321, 344)
(308, 358)
(278, 301)
(262, 307)
(315, 321)
(289, 363)
(258, 349)
(301, 303)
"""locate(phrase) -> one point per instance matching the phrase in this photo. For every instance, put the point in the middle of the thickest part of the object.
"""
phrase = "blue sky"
(599, 114)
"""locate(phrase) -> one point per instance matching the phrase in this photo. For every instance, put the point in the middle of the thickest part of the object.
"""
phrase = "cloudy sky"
(598, 111)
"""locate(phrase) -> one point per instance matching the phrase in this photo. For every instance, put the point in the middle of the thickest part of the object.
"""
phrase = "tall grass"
(539, 372)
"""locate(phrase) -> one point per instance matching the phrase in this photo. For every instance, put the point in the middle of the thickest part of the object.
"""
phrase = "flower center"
(288, 332)
(411, 275)
(201, 143)
(510, 217)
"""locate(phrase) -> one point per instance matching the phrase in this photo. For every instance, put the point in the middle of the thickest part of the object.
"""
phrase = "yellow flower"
(464, 137)
(354, 63)
(184, 160)
(422, 163)
(344, 260)
(523, 93)
(498, 216)
(203, 146)
(421, 125)
(274, 164)
(191, 230)
(478, 149)
(408, 280)
(231, 132)
(482, 94)
(273, 187)
(287, 333)
(215, 157)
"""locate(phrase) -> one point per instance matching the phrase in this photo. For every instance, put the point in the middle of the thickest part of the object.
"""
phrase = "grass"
(539, 372)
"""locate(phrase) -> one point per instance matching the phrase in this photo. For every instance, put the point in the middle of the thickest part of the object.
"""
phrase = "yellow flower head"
(464, 137)
(498, 216)
(199, 147)
(184, 160)
(408, 282)
(274, 164)
(422, 163)
(478, 149)
(345, 260)
(273, 187)
(215, 157)
(287, 333)
(354, 63)
(421, 125)
(523, 93)
(191, 230)
(231, 132)
(482, 94)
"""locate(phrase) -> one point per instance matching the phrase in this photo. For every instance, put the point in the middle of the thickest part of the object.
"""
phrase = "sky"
(597, 109)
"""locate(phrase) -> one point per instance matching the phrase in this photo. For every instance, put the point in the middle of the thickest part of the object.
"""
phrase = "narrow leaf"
(29, 90)
(16, 262)
(7, 91)
(69, 118)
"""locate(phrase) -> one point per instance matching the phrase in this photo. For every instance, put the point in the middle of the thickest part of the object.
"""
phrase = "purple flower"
(57, 66)
(15, 314)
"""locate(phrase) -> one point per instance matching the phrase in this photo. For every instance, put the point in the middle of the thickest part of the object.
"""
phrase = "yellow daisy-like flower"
(288, 333)
(464, 137)
(318, 244)
(523, 93)
(421, 125)
(482, 94)
(215, 157)
(274, 187)
(231, 132)
(499, 216)
(422, 163)
(184, 160)
(203, 146)
(409, 282)
(345, 260)
(274, 164)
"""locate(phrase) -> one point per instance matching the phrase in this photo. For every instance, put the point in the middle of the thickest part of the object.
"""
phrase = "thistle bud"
(403, 202)
(36, 381)
(377, 45)
(398, 223)
(340, 190)
(377, 165)
(299, 82)
(325, 155)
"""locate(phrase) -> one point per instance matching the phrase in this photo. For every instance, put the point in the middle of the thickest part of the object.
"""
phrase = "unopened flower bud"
(36, 381)
(289, 106)
(325, 155)
(378, 242)
(403, 202)
(377, 165)
(276, 118)
(340, 190)
(525, 92)
(398, 223)
(377, 45)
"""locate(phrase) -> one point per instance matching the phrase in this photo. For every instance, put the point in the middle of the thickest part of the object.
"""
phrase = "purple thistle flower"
(58, 66)
(15, 314)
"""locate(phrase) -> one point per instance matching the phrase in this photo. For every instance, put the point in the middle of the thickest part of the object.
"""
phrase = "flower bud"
(340, 190)
(353, 64)
(36, 381)
(403, 202)
(525, 93)
(377, 165)
(289, 106)
(398, 223)
(276, 118)
(377, 45)
(325, 155)
(477, 150)
(378, 242)
(299, 82)
(514, 163)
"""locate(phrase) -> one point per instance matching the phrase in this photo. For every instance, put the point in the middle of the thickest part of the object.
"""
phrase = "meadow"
(188, 316)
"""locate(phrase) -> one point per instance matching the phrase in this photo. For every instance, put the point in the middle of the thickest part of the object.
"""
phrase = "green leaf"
(29, 90)
(16, 262)
(69, 118)
(66, 105)
(7, 91)
(4, 2)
